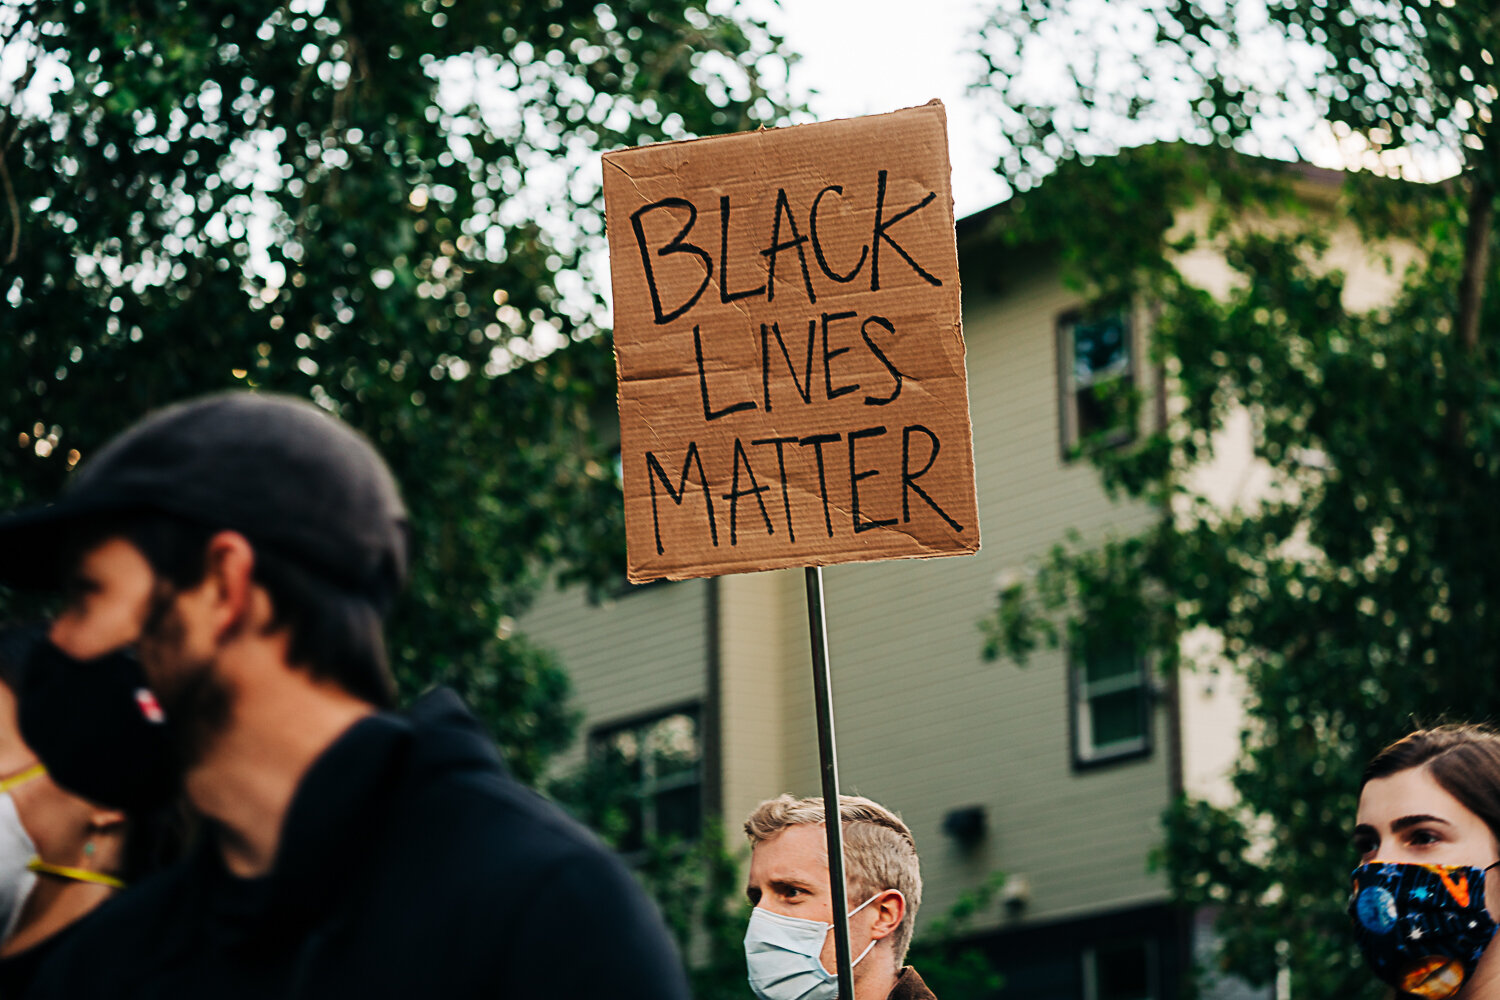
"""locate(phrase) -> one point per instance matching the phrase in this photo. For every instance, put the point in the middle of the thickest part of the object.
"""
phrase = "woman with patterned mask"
(1426, 895)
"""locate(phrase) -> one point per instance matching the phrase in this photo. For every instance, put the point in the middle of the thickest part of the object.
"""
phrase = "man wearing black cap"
(244, 548)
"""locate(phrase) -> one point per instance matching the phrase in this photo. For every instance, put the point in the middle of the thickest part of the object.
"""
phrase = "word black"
(781, 241)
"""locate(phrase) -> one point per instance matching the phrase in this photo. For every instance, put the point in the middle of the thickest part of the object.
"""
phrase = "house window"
(1111, 703)
(1120, 970)
(1096, 379)
(660, 762)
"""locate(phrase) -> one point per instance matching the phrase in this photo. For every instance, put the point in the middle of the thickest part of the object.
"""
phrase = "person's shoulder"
(521, 880)
(909, 986)
(457, 783)
(89, 956)
(18, 970)
(470, 813)
(456, 815)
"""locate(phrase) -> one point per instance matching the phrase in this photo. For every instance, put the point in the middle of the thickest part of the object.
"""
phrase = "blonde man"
(788, 947)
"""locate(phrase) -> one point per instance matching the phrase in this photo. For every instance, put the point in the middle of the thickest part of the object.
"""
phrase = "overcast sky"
(871, 56)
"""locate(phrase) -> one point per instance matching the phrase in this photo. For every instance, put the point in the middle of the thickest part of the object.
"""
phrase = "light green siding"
(924, 726)
(627, 656)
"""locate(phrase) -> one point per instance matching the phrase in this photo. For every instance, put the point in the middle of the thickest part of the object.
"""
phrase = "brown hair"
(333, 633)
(1464, 759)
(879, 851)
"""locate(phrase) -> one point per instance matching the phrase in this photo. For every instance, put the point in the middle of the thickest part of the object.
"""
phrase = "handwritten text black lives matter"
(669, 233)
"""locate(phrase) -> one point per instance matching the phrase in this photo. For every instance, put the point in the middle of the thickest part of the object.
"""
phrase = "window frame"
(650, 786)
(1070, 439)
(1080, 721)
(1150, 954)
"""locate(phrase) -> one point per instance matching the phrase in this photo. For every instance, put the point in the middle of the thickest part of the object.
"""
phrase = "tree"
(697, 882)
(1356, 597)
(941, 952)
(390, 207)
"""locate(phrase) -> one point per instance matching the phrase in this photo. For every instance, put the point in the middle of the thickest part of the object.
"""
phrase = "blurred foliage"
(390, 207)
(700, 889)
(697, 883)
(1074, 79)
(1357, 595)
(952, 968)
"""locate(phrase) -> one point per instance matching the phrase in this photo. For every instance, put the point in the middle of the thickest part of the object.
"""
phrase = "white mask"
(784, 956)
(16, 852)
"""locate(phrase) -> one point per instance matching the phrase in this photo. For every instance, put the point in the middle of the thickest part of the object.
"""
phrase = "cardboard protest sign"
(789, 347)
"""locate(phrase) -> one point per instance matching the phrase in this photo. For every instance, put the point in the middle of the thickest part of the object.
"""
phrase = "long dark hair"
(1464, 759)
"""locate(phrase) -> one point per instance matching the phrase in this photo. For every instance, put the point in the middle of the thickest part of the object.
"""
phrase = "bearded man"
(245, 549)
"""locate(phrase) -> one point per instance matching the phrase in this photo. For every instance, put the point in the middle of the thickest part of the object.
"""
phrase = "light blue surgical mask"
(784, 955)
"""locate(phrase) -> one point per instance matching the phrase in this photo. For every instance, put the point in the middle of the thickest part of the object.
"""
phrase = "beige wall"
(754, 724)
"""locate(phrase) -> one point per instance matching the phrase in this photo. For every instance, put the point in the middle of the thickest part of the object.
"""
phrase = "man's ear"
(889, 909)
(229, 562)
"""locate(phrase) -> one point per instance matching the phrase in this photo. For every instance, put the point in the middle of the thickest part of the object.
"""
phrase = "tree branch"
(1471, 288)
(1476, 261)
(15, 212)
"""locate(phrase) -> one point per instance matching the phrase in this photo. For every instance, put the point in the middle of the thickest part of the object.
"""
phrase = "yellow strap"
(76, 874)
(20, 778)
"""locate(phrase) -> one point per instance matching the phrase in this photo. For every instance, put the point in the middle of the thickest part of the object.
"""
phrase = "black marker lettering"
(909, 480)
(777, 246)
(804, 385)
(654, 471)
(725, 295)
(734, 494)
(812, 227)
(855, 475)
(676, 246)
(818, 441)
(881, 225)
(864, 331)
(786, 500)
(709, 413)
(828, 356)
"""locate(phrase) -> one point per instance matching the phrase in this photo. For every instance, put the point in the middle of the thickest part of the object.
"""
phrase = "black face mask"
(94, 723)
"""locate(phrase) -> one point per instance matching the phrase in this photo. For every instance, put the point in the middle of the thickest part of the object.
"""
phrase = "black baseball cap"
(277, 469)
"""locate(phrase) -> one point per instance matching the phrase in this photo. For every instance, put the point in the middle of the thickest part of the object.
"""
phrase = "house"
(1055, 773)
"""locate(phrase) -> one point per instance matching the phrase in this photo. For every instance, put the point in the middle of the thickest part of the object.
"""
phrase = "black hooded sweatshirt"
(411, 865)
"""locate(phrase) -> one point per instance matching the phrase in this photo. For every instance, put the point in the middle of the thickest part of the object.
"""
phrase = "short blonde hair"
(879, 852)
